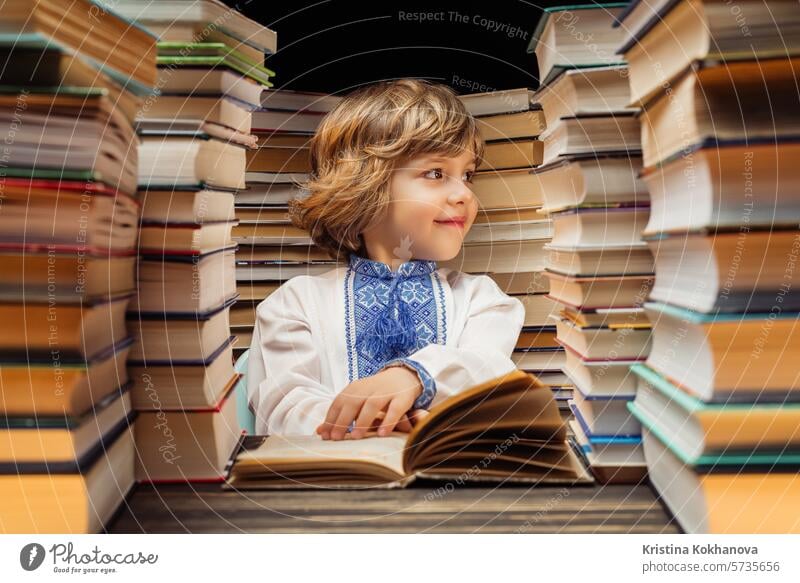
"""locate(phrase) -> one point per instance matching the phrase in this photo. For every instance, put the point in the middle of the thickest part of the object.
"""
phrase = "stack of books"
(599, 269)
(68, 228)
(719, 395)
(195, 136)
(509, 234)
(271, 249)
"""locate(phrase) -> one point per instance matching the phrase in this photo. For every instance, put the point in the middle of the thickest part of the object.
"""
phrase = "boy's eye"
(468, 175)
(435, 174)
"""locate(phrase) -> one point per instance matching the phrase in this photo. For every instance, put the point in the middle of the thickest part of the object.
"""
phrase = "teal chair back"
(245, 417)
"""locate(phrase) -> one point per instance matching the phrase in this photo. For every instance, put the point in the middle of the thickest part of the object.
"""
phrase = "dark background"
(334, 46)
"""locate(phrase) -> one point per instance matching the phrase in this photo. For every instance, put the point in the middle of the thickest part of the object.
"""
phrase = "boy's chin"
(445, 254)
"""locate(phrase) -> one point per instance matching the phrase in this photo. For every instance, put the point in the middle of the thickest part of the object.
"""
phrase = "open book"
(505, 430)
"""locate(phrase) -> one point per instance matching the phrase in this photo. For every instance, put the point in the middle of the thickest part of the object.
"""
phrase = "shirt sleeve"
(483, 349)
(290, 399)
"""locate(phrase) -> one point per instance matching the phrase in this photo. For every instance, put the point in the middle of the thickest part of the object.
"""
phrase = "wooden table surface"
(417, 509)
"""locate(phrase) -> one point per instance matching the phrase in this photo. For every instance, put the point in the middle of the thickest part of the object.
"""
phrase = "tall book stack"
(508, 237)
(271, 249)
(72, 79)
(195, 136)
(719, 395)
(599, 269)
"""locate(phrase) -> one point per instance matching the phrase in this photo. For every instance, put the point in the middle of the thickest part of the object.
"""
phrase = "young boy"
(373, 344)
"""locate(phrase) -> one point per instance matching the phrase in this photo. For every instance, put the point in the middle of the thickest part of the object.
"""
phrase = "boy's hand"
(403, 426)
(392, 390)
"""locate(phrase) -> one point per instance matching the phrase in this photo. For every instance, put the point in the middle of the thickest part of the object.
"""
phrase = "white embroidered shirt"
(317, 333)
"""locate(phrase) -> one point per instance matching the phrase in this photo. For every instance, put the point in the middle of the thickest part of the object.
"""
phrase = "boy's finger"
(404, 425)
(396, 410)
(369, 412)
(347, 414)
(378, 418)
(330, 417)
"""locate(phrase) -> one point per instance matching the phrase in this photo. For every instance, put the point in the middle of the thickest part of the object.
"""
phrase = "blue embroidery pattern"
(390, 315)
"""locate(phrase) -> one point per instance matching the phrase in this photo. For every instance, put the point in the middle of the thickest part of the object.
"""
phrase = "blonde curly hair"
(358, 145)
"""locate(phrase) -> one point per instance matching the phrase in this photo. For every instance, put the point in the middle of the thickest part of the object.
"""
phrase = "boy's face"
(431, 208)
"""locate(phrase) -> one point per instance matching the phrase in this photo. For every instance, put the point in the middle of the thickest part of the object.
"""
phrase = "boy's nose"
(461, 193)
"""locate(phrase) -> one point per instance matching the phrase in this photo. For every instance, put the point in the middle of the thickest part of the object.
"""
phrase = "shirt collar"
(411, 268)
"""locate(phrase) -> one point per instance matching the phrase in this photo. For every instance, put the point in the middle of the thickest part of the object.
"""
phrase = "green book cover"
(70, 90)
(69, 422)
(206, 49)
(698, 318)
(722, 462)
(692, 404)
(254, 73)
(54, 174)
(707, 462)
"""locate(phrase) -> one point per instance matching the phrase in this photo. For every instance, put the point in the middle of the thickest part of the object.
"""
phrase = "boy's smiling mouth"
(453, 222)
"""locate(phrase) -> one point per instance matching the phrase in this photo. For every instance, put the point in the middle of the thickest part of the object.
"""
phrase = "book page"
(286, 450)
